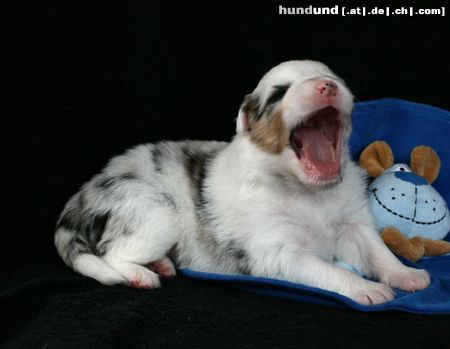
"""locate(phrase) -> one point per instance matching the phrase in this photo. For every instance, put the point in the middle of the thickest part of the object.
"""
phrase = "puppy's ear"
(247, 113)
(425, 162)
(376, 158)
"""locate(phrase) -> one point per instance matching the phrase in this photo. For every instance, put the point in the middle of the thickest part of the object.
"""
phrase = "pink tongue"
(318, 150)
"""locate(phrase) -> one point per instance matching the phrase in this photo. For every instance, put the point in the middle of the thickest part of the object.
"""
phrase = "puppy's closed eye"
(278, 93)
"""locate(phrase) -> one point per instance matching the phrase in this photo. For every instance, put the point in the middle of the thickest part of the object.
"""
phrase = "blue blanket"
(403, 125)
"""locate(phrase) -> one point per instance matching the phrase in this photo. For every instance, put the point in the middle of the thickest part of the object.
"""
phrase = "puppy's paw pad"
(409, 279)
(163, 267)
(145, 279)
(374, 293)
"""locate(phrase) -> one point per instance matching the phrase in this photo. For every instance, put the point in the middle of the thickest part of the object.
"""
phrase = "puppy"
(283, 200)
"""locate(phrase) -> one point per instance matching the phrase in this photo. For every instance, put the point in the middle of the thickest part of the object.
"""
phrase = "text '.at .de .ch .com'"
(361, 11)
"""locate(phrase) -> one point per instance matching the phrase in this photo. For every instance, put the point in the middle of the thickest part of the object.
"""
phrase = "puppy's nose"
(327, 88)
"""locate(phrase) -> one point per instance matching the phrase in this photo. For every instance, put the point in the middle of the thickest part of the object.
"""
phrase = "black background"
(85, 82)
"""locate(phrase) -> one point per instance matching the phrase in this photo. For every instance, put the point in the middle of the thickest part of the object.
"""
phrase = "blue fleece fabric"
(403, 125)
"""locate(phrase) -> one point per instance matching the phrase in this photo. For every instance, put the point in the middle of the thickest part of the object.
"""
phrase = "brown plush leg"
(412, 249)
(436, 247)
(416, 249)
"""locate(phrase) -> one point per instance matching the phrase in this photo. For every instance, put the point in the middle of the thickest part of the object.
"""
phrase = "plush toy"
(411, 215)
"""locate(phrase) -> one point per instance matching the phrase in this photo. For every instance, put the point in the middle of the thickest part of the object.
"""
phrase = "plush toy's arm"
(436, 247)
(411, 249)
(415, 248)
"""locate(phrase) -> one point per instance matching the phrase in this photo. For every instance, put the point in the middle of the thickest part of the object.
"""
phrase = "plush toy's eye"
(402, 169)
(399, 168)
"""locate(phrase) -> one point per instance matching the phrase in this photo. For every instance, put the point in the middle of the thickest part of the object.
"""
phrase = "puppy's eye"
(278, 93)
(402, 169)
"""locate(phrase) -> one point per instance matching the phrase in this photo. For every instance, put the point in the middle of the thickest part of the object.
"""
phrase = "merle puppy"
(281, 200)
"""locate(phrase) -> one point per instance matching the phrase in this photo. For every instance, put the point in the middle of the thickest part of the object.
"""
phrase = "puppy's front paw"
(372, 293)
(407, 279)
(145, 278)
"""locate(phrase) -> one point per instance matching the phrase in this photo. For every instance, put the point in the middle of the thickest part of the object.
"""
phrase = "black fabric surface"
(85, 82)
(75, 312)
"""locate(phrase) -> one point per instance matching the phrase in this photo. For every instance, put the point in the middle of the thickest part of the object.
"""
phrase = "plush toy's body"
(406, 201)
(411, 215)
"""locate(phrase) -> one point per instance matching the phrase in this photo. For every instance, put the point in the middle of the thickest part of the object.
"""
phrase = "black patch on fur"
(107, 182)
(70, 221)
(278, 93)
(79, 240)
(200, 197)
(65, 223)
(102, 247)
(198, 167)
(85, 227)
(240, 254)
(96, 228)
(252, 108)
(169, 200)
(75, 247)
(244, 269)
(234, 249)
(166, 199)
(82, 201)
(127, 177)
(194, 165)
(156, 158)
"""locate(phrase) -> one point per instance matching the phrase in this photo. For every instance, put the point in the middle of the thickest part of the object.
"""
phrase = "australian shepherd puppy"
(282, 200)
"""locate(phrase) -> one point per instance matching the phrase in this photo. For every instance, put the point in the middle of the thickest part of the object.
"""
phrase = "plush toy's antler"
(425, 162)
(376, 158)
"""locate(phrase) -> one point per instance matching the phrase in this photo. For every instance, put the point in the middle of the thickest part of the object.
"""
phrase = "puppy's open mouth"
(317, 144)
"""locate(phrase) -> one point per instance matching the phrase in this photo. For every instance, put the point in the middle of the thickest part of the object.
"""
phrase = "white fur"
(259, 212)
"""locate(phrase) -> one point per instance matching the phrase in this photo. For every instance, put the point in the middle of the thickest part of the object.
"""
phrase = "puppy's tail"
(77, 253)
